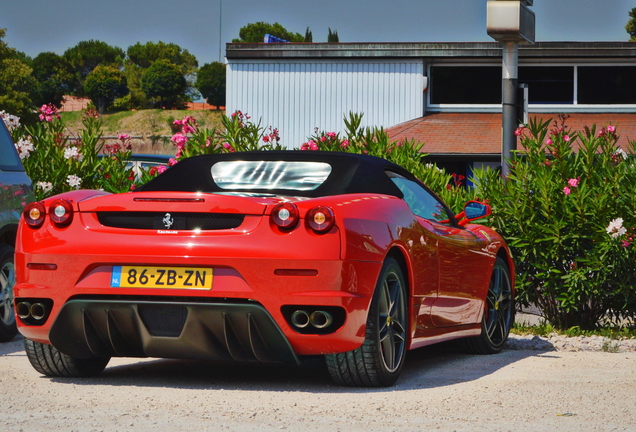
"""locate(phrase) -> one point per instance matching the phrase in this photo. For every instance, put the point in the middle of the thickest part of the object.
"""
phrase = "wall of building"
(296, 96)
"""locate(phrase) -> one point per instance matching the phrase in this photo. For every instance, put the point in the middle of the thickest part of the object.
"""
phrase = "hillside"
(150, 129)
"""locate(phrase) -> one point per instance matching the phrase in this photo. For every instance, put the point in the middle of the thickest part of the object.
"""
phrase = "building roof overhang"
(396, 50)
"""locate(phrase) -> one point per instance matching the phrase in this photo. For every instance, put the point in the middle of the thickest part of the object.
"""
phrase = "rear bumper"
(345, 285)
(244, 332)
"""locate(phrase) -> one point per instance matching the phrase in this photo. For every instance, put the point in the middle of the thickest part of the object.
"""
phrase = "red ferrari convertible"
(260, 257)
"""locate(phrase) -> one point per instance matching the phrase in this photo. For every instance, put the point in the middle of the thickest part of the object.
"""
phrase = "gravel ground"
(535, 384)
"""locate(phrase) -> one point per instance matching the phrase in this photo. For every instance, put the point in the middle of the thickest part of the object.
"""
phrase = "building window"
(606, 85)
(465, 85)
(548, 84)
(481, 85)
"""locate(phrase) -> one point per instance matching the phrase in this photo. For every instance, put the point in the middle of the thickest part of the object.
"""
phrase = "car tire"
(499, 313)
(378, 362)
(47, 360)
(8, 328)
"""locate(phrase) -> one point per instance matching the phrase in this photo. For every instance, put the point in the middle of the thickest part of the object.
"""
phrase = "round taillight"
(61, 212)
(320, 219)
(34, 214)
(285, 215)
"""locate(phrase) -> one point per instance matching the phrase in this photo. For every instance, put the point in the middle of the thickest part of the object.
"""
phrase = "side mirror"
(474, 210)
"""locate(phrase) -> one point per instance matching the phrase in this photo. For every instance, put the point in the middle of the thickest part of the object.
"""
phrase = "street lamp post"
(511, 23)
(220, 27)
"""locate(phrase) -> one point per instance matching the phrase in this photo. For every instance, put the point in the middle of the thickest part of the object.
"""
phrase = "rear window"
(247, 175)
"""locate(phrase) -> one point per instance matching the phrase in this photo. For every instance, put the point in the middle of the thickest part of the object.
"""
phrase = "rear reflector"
(41, 266)
(177, 200)
(295, 272)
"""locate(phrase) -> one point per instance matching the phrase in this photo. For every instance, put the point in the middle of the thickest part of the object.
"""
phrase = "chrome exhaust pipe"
(320, 319)
(23, 310)
(300, 319)
(38, 311)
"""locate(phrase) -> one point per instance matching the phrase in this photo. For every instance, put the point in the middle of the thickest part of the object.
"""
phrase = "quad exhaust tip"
(26, 310)
(318, 319)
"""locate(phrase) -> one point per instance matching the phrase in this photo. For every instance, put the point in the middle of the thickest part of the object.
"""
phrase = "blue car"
(16, 191)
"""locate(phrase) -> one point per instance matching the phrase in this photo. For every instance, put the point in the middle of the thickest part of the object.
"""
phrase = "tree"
(133, 75)
(255, 33)
(165, 81)
(87, 55)
(104, 84)
(308, 36)
(631, 25)
(145, 55)
(333, 36)
(15, 81)
(211, 83)
(55, 78)
(142, 56)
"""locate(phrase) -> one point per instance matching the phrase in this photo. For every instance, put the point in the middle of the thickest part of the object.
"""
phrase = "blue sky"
(35, 26)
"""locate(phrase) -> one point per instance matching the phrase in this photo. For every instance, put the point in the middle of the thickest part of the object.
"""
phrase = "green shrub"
(569, 219)
(59, 164)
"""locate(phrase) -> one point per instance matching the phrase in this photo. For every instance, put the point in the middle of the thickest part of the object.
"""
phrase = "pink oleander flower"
(161, 168)
(611, 129)
(344, 144)
(47, 112)
(625, 243)
(266, 138)
(331, 135)
(567, 190)
(548, 141)
(179, 140)
(124, 137)
(574, 182)
(566, 138)
(172, 161)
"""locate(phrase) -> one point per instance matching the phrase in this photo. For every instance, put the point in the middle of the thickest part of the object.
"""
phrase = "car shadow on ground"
(429, 367)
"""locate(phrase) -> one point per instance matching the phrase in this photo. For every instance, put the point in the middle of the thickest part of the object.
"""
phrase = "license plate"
(161, 277)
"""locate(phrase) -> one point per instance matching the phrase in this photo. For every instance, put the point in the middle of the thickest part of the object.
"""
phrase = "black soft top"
(350, 173)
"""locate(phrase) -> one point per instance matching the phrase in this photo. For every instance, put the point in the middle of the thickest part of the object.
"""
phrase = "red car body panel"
(448, 268)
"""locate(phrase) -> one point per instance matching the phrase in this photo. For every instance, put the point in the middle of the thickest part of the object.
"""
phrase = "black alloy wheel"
(499, 312)
(378, 362)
